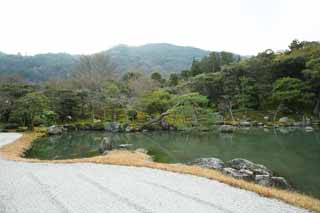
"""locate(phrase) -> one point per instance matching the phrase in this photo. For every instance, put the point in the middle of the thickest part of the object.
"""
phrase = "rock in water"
(113, 127)
(245, 123)
(280, 182)
(211, 163)
(264, 180)
(284, 120)
(236, 174)
(226, 129)
(257, 169)
(105, 145)
(55, 130)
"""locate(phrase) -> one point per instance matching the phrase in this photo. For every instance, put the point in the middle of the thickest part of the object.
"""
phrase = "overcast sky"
(87, 26)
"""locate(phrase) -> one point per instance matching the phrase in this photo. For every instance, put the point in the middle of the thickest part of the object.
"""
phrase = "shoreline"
(13, 151)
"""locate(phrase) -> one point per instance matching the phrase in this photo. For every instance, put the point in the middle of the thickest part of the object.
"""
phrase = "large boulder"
(264, 180)
(211, 163)
(245, 123)
(257, 169)
(284, 120)
(105, 146)
(280, 182)
(113, 127)
(226, 129)
(56, 130)
(237, 174)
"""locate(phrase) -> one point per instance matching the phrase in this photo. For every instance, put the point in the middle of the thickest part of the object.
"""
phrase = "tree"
(195, 67)
(156, 76)
(155, 102)
(312, 74)
(30, 106)
(295, 44)
(287, 92)
(93, 70)
(173, 79)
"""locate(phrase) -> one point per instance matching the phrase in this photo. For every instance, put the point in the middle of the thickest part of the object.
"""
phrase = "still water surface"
(294, 154)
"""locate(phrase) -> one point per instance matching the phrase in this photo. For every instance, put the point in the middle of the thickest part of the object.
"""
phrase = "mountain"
(162, 57)
(39, 67)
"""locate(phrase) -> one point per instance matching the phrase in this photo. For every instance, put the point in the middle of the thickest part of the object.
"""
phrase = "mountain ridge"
(162, 57)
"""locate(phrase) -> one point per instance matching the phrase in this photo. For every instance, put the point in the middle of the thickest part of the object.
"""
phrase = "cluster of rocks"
(282, 122)
(245, 170)
(109, 127)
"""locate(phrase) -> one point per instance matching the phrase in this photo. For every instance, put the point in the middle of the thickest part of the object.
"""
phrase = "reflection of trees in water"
(164, 150)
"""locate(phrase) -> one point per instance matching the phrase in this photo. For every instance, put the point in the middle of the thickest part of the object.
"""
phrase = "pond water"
(294, 154)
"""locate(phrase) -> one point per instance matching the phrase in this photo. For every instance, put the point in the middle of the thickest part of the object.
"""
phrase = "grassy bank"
(14, 151)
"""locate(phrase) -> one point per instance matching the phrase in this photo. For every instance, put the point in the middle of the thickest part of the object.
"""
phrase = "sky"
(87, 26)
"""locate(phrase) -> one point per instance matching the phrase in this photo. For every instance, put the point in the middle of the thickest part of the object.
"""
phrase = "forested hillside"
(165, 58)
(215, 88)
(39, 67)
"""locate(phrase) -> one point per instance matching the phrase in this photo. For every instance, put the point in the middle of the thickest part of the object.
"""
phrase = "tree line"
(218, 84)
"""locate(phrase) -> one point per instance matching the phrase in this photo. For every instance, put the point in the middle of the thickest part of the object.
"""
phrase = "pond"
(292, 153)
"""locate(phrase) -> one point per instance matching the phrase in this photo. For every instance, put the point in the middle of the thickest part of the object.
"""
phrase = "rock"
(211, 163)
(105, 152)
(99, 126)
(267, 118)
(261, 124)
(257, 169)
(226, 129)
(105, 145)
(236, 174)
(113, 127)
(309, 129)
(11, 126)
(247, 172)
(140, 150)
(280, 182)
(125, 146)
(56, 130)
(284, 120)
(264, 180)
(245, 123)
(69, 127)
(128, 129)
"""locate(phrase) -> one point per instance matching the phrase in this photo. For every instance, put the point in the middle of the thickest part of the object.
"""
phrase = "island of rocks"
(245, 170)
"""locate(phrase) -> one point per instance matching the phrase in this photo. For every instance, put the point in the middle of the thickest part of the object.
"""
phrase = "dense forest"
(220, 86)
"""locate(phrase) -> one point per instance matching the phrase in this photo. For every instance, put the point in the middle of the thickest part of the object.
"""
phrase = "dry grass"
(15, 150)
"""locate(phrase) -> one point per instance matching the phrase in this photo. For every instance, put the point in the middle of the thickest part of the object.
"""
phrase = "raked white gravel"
(93, 188)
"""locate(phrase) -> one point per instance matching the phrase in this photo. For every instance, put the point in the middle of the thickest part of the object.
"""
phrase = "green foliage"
(174, 79)
(156, 102)
(30, 106)
(287, 91)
